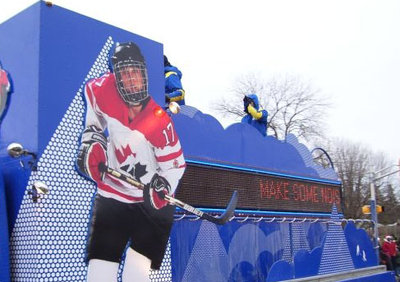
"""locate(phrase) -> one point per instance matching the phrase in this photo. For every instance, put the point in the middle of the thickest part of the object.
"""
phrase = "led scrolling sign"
(208, 186)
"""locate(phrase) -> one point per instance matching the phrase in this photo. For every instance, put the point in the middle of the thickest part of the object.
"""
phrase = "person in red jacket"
(389, 248)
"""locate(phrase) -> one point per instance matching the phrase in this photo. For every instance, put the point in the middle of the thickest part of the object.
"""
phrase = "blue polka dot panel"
(48, 241)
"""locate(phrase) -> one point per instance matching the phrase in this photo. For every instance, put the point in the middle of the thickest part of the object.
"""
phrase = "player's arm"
(93, 148)
(170, 157)
(171, 163)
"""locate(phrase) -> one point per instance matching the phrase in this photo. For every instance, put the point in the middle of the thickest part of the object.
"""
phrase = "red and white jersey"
(141, 147)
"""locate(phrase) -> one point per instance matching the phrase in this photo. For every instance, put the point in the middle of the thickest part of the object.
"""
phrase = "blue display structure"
(50, 53)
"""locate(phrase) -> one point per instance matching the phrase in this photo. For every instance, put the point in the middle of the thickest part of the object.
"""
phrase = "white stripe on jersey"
(160, 152)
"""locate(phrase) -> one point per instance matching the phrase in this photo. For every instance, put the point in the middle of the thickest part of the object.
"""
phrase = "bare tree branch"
(293, 106)
(354, 164)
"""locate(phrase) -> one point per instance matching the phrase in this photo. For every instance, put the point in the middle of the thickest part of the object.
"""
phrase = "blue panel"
(306, 263)
(202, 251)
(4, 252)
(280, 251)
(19, 54)
(15, 181)
(276, 273)
(360, 246)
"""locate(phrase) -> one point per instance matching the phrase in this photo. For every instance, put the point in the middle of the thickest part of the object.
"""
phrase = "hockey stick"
(222, 219)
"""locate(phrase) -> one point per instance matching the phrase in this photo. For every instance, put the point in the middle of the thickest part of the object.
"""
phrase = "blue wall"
(19, 54)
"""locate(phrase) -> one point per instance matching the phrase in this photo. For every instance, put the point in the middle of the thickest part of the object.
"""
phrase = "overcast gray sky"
(350, 50)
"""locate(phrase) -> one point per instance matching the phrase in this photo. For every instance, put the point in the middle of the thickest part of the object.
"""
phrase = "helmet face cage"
(132, 88)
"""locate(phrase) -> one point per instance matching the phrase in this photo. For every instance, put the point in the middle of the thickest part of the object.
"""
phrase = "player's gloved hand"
(246, 102)
(92, 153)
(157, 189)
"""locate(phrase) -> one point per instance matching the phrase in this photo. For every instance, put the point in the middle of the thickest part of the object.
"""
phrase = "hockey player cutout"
(126, 130)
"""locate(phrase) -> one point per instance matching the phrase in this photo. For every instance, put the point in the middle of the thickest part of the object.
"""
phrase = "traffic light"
(367, 209)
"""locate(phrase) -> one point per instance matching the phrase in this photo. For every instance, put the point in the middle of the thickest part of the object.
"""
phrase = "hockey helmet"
(130, 72)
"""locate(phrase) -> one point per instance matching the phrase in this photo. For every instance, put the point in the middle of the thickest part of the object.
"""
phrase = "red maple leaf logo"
(124, 154)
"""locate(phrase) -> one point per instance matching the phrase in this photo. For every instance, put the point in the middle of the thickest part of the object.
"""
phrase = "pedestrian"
(389, 248)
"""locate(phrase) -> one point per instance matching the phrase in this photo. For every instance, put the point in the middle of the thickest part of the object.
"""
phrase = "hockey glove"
(158, 188)
(92, 152)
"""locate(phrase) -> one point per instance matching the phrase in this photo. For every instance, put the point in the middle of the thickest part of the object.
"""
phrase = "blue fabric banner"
(267, 250)
(202, 251)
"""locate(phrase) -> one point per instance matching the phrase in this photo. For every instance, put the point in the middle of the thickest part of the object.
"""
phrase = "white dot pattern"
(165, 271)
(295, 241)
(209, 259)
(48, 242)
(335, 253)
